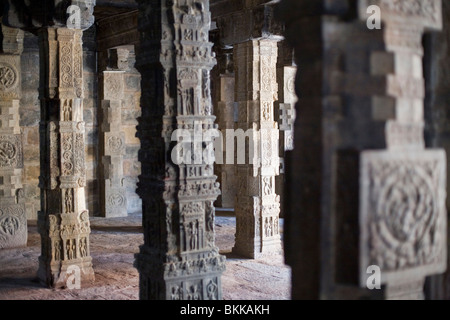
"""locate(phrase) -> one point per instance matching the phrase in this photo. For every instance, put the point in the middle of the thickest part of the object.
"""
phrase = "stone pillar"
(403, 188)
(362, 189)
(225, 119)
(113, 191)
(178, 259)
(285, 112)
(257, 204)
(63, 220)
(13, 220)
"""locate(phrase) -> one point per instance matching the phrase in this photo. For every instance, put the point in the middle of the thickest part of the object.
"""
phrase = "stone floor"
(113, 244)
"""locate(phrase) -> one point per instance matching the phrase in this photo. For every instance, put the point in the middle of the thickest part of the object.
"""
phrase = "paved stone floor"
(113, 244)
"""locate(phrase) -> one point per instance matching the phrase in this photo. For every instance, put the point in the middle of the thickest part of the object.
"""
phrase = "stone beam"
(117, 30)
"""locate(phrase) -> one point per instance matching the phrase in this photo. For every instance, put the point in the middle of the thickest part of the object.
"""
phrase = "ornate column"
(113, 191)
(363, 193)
(13, 220)
(257, 204)
(178, 259)
(285, 111)
(225, 118)
(403, 188)
(63, 220)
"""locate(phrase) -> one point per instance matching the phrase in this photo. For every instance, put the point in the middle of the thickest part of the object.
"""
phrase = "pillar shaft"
(361, 183)
(63, 220)
(225, 119)
(113, 191)
(178, 259)
(13, 221)
(257, 204)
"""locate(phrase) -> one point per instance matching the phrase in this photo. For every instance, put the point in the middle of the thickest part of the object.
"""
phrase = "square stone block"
(402, 216)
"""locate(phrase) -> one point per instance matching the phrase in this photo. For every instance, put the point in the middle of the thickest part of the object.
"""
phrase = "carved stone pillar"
(403, 188)
(257, 204)
(113, 191)
(285, 115)
(225, 119)
(178, 259)
(362, 189)
(13, 220)
(63, 220)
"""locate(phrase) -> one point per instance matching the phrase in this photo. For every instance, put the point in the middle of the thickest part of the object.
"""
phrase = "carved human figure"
(67, 110)
(68, 201)
(212, 289)
(83, 251)
(74, 249)
(69, 249)
(175, 295)
(266, 227)
(195, 294)
(57, 250)
(206, 84)
(194, 235)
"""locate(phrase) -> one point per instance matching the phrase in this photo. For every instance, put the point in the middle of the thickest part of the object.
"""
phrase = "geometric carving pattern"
(8, 76)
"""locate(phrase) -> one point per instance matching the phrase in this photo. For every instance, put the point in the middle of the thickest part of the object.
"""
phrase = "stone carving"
(113, 191)
(403, 192)
(13, 225)
(8, 76)
(116, 199)
(13, 221)
(115, 144)
(9, 225)
(257, 89)
(176, 80)
(403, 213)
(11, 151)
(63, 220)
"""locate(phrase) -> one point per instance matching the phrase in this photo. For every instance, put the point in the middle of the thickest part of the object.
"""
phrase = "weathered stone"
(13, 220)
(63, 220)
(359, 168)
(112, 145)
(181, 262)
(257, 204)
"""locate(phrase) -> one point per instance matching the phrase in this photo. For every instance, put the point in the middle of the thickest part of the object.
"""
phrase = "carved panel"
(13, 225)
(402, 213)
(11, 154)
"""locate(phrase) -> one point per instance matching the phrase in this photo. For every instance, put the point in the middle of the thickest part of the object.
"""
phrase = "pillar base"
(194, 277)
(61, 275)
(270, 248)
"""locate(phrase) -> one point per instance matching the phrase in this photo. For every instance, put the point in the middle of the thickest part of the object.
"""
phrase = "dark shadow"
(25, 282)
